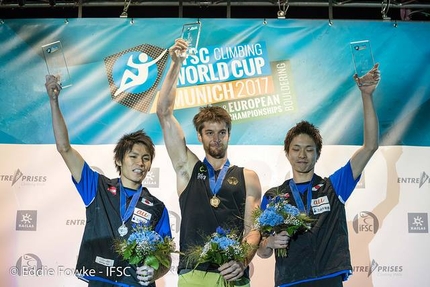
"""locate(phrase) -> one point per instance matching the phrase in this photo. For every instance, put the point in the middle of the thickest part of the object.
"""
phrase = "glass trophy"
(191, 34)
(362, 57)
(56, 63)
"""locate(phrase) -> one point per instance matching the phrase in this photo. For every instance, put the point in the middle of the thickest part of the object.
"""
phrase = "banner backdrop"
(269, 74)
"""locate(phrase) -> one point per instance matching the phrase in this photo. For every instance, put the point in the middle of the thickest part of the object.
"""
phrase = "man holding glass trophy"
(56, 63)
(362, 57)
(191, 34)
(212, 193)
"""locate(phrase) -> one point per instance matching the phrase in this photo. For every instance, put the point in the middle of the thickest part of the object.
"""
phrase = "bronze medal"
(215, 201)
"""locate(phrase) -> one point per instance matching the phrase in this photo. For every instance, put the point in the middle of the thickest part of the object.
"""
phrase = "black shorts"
(329, 282)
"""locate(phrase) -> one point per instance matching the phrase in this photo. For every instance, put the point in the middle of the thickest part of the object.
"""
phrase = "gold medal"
(215, 201)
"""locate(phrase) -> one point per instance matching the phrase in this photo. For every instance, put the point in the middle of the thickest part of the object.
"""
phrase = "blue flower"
(224, 242)
(221, 231)
(221, 247)
(270, 217)
(145, 246)
(280, 215)
(292, 210)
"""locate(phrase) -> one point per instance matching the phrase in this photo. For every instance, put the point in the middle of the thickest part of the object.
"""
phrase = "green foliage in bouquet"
(221, 247)
(145, 247)
(279, 216)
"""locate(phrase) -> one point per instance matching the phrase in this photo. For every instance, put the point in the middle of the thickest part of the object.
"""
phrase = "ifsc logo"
(27, 265)
(134, 75)
(365, 221)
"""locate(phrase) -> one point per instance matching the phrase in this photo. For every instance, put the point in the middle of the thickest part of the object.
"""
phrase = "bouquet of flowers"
(145, 247)
(221, 247)
(280, 215)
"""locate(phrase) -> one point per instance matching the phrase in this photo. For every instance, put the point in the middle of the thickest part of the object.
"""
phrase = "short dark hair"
(307, 128)
(126, 143)
(211, 114)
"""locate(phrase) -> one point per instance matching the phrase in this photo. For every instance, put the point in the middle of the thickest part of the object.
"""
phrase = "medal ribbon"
(126, 213)
(215, 185)
(298, 198)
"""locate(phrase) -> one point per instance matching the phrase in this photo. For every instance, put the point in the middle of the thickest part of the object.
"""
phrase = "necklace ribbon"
(298, 198)
(215, 185)
(127, 212)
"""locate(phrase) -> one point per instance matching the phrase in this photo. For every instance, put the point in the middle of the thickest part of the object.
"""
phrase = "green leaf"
(152, 261)
(164, 260)
(127, 253)
(135, 260)
(291, 230)
(218, 258)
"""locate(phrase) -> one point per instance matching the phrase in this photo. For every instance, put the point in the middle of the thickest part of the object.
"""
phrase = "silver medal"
(123, 230)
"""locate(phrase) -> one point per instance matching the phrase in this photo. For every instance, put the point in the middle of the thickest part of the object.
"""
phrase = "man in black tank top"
(207, 201)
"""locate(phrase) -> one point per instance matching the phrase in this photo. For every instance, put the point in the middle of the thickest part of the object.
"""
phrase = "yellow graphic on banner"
(201, 95)
(244, 99)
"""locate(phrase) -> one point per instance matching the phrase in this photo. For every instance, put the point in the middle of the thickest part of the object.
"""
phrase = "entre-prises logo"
(19, 177)
(423, 179)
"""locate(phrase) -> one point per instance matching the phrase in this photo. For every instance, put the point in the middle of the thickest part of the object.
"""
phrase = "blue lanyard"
(215, 185)
(298, 198)
(126, 213)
